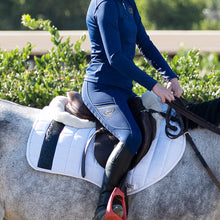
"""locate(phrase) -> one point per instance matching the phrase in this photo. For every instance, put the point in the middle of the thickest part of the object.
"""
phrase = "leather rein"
(180, 106)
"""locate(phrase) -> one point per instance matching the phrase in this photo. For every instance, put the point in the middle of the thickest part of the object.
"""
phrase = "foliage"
(199, 75)
(142, 6)
(65, 14)
(56, 72)
(207, 24)
(178, 14)
(62, 69)
(71, 14)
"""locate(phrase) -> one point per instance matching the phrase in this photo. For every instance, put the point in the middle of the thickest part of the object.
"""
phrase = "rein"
(180, 106)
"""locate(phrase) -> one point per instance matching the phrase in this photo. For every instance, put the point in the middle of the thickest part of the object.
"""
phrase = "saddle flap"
(147, 125)
(105, 141)
(103, 145)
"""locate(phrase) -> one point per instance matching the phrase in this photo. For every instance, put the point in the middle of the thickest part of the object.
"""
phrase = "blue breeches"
(109, 105)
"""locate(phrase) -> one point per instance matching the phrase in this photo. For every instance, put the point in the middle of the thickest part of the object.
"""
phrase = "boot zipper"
(124, 5)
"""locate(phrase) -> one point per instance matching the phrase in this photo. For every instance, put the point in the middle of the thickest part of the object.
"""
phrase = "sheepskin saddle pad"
(57, 142)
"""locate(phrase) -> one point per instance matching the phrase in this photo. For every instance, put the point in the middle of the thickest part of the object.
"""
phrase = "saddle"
(104, 141)
(77, 107)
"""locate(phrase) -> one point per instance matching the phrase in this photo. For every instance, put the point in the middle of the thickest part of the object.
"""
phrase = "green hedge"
(199, 75)
(60, 70)
(63, 68)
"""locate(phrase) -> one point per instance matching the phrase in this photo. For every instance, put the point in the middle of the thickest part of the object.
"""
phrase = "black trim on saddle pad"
(49, 145)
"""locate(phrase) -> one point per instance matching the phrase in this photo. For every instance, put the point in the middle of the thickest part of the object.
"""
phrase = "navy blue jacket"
(115, 28)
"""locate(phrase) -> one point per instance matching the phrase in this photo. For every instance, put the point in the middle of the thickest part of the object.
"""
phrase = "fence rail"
(166, 41)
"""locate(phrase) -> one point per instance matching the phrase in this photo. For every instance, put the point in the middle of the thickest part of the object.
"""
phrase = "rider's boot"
(116, 167)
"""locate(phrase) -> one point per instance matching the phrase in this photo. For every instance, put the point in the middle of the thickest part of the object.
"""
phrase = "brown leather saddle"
(104, 140)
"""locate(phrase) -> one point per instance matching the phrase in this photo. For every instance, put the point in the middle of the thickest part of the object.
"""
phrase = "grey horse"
(186, 192)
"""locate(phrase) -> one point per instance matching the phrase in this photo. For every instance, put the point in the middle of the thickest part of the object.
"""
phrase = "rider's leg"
(110, 106)
(116, 166)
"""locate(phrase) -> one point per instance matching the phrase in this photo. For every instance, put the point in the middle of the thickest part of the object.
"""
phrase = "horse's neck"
(208, 143)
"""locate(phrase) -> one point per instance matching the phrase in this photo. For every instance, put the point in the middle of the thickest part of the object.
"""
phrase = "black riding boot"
(116, 167)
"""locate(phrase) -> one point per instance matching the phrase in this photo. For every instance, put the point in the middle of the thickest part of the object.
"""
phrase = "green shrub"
(199, 75)
(60, 70)
(63, 68)
(197, 85)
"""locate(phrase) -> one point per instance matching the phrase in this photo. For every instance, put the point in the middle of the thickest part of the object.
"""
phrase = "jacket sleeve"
(106, 15)
(149, 51)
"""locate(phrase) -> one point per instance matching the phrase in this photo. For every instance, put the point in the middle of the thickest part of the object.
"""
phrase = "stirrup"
(117, 209)
(110, 214)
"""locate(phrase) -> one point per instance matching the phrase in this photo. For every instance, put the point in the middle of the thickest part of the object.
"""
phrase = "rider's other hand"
(174, 87)
(163, 93)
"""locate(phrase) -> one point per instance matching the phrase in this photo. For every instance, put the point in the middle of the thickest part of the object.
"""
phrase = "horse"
(186, 192)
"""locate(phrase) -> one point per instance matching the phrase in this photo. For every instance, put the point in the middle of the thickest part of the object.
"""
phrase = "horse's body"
(186, 192)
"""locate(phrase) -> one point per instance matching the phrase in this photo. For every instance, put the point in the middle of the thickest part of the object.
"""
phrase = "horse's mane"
(209, 110)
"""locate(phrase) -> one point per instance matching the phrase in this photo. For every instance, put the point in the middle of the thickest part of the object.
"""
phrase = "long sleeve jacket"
(115, 28)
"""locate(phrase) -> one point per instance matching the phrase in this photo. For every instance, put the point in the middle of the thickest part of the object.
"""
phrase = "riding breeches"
(109, 106)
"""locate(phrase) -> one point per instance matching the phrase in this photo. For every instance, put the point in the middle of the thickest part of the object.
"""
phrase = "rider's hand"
(163, 93)
(174, 87)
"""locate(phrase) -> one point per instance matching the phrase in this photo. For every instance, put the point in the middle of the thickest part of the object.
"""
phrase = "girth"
(104, 141)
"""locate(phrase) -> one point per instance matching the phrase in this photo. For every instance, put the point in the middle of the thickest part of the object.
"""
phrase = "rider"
(115, 28)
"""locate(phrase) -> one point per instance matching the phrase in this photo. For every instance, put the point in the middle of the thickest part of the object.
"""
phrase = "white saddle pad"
(162, 157)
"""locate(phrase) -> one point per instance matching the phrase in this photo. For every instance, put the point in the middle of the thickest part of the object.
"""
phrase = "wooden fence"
(166, 41)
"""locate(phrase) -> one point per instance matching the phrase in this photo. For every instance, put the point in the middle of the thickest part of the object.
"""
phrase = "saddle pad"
(162, 157)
